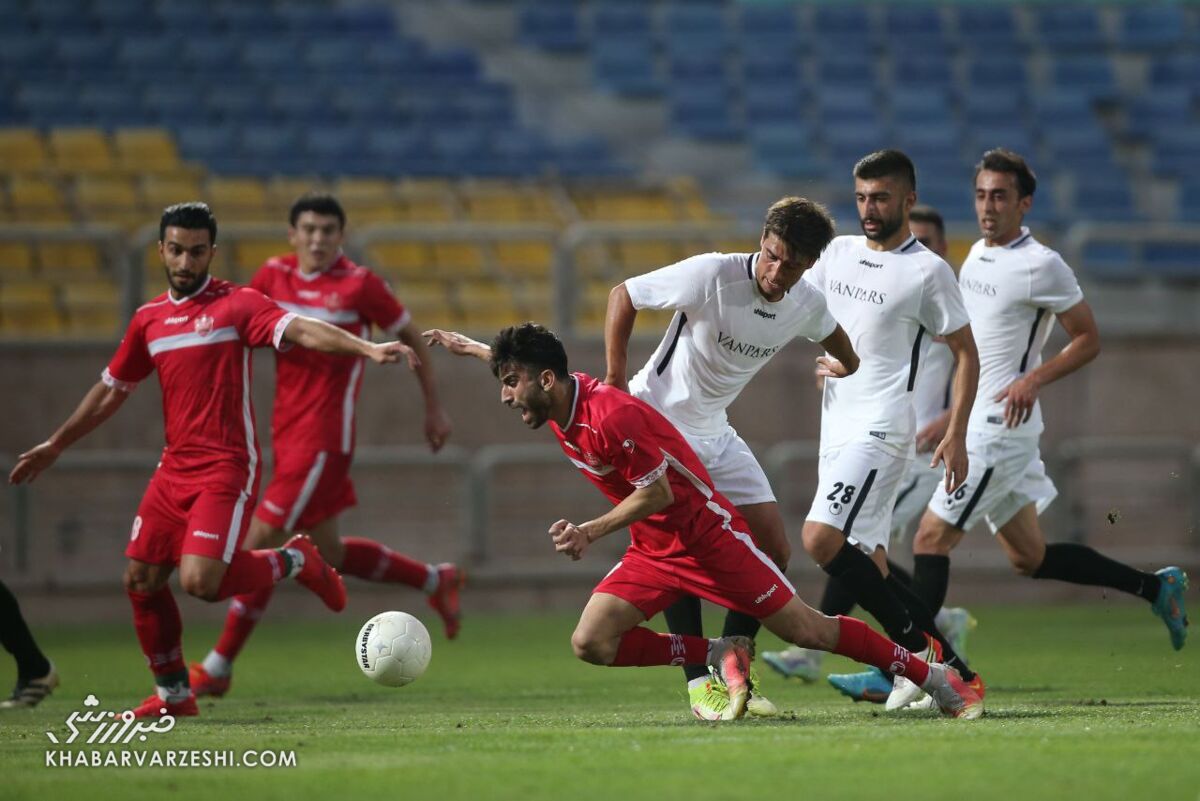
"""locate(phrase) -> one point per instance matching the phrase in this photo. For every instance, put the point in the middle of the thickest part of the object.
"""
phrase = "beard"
(887, 228)
(185, 285)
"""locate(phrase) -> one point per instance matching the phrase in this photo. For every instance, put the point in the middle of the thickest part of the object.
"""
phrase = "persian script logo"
(112, 727)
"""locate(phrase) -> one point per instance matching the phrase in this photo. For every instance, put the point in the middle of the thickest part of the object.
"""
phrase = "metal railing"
(478, 475)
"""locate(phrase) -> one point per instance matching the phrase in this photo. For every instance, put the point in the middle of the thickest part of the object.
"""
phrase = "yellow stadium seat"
(360, 213)
(535, 299)
(364, 190)
(523, 204)
(646, 206)
(639, 256)
(593, 260)
(282, 192)
(70, 260)
(423, 299)
(160, 191)
(37, 200)
(16, 261)
(486, 306)
(29, 309)
(402, 260)
(240, 199)
(458, 259)
(528, 259)
(81, 150)
(22, 150)
(250, 254)
(146, 150)
(92, 309)
(431, 208)
(108, 200)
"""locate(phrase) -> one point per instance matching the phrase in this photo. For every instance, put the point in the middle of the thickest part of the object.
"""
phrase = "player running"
(733, 313)
(685, 537)
(1014, 287)
(931, 401)
(312, 429)
(36, 675)
(892, 295)
(194, 514)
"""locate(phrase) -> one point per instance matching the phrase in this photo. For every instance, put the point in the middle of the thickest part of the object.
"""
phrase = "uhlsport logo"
(835, 508)
(766, 594)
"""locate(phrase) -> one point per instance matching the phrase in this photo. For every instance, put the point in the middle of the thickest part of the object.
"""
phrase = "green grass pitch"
(1084, 702)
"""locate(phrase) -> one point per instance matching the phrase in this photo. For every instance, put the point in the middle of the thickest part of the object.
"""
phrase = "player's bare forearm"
(1080, 325)
(99, 404)
(638, 505)
(966, 380)
(429, 390)
(618, 327)
(314, 334)
(458, 344)
(839, 346)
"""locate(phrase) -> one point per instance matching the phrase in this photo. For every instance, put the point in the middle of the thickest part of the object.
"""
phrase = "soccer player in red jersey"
(685, 537)
(312, 429)
(195, 512)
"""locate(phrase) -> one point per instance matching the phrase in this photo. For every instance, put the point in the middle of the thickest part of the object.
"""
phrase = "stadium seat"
(552, 28)
(987, 28)
(92, 309)
(785, 150)
(110, 105)
(1105, 199)
(36, 199)
(636, 256)
(403, 260)
(145, 150)
(626, 66)
(75, 261)
(1171, 261)
(1075, 27)
(16, 261)
(458, 259)
(29, 309)
(22, 150)
(108, 200)
(1110, 261)
(243, 199)
(1159, 108)
(160, 191)
(250, 254)
(81, 150)
(525, 260)
(919, 27)
(1091, 74)
(1151, 28)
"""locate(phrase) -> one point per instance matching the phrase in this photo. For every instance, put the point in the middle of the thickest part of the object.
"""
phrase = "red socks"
(372, 561)
(641, 646)
(244, 614)
(861, 643)
(159, 630)
(249, 571)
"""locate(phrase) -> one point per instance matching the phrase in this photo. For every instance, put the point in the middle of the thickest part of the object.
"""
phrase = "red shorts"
(307, 488)
(724, 567)
(179, 517)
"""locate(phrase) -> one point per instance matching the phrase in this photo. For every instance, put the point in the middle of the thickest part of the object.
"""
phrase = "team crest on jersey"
(333, 301)
(204, 325)
(629, 445)
(592, 459)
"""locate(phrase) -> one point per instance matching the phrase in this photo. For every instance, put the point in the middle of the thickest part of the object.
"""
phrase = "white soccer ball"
(393, 648)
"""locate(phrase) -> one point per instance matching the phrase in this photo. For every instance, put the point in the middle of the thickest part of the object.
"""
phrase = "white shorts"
(735, 472)
(857, 485)
(916, 489)
(1005, 476)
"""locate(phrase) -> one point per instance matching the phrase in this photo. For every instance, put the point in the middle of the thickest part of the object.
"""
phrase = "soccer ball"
(393, 648)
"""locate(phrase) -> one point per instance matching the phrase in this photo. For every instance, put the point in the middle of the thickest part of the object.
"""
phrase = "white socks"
(217, 666)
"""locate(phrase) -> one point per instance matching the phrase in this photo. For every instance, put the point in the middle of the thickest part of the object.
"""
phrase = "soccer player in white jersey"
(733, 312)
(1014, 287)
(931, 401)
(892, 295)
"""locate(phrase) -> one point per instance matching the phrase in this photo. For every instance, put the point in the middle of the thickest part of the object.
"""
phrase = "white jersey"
(1012, 294)
(891, 303)
(932, 392)
(722, 334)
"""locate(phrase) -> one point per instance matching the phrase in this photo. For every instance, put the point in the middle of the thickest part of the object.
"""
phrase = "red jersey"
(316, 393)
(621, 444)
(201, 348)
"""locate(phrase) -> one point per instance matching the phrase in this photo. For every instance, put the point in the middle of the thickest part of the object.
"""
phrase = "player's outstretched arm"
(320, 335)
(845, 360)
(458, 344)
(618, 327)
(1022, 394)
(573, 540)
(99, 404)
(437, 422)
(952, 450)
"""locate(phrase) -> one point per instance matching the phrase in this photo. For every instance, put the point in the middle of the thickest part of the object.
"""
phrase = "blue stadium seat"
(24, 51)
(49, 104)
(1171, 261)
(1189, 207)
(693, 28)
(1151, 27)
(704, 113)
(256, 21)
(394, 149)
(337, 57)
(771, 65)
(928, 68)
(189, 19)
(768, 28)
(847, 107)
(1086, 151)
(1110, 261)
(300, 101)
(987, 29)
(206, 142)
(775, 103)
(113, 106)
(915, 28)
(1172, 149)
(396, 56)
(60, 18)
(626, 67)
(239, 104)
(843, 22)
(846, 144)
(150, 54)
(487, 105)
(785, 150)
(1092, 74)
(213, 52)
(552, 28)
(1070, 28)
(310, 21)
(174, 105)
(953, 198)
(846, 70)
(1009, 72)
(1011, 136)
(272, 57)
(1180, 69)
(1159, 108)
(368, 22)
(1063, 108)
(986, 107)
(273, 148)
(621, 21)
(1104, 198)
(83, 52)
(693, 69)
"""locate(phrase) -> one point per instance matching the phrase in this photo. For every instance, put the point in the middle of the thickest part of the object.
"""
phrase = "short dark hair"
(193, 216)
(531, 346)
(928, 214)
(318, 203)
(1000, 159)
(804, 225)
(884, 164)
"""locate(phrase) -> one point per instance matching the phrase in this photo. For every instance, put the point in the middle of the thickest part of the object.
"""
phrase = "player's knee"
(821, 544)
(332, 551)
(933, 539)
(202, 584)
(139, 578)
(1025, 563)
(779, 553)
(592, 649)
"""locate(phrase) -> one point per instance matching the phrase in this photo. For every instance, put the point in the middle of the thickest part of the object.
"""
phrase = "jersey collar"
(574, 403)
(906, 245)
(186, 298)
(1020, 240)
(303, 276)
